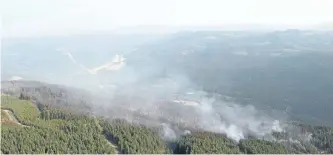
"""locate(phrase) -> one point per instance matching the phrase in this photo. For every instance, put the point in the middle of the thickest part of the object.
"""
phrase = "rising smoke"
(176, 105)
(171, 102)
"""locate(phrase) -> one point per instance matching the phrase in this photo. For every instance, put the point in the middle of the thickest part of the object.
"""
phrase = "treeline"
(56, 113)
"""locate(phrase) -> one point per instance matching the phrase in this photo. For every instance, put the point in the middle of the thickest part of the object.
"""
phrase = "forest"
(28, 129)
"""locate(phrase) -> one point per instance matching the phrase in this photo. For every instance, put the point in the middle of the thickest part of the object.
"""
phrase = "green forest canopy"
(50, 130)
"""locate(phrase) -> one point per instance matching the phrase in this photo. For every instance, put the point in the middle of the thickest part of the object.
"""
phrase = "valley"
(190, 92)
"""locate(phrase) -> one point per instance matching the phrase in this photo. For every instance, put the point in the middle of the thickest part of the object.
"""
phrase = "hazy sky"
(21, 18)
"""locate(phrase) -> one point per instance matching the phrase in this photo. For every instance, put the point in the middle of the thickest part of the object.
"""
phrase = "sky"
(31, 18)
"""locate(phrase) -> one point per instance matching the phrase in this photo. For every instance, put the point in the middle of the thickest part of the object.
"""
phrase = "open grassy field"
(25, 112)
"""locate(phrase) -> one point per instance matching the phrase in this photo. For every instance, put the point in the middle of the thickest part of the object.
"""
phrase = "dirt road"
(12, 117)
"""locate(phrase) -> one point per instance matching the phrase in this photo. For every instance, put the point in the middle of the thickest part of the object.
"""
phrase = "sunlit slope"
(47, 131)
(52, 130)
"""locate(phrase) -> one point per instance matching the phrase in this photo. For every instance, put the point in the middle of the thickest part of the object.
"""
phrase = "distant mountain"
(164, 29)
(325, 26)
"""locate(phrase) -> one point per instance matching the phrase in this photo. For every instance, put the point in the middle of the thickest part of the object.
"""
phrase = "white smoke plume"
(172, 102)
(157, 103)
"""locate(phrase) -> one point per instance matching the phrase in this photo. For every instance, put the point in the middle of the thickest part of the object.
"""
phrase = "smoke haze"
(175, 104)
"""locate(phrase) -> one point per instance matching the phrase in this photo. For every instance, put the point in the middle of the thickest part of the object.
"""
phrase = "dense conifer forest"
(28, 129)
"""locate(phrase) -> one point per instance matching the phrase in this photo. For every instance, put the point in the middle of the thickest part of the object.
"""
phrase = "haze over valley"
(287, 70)
(163, 78)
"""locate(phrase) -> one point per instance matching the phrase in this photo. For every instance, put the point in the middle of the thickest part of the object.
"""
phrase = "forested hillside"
(166, 77)
(36, 133)
(59, 131)
(28, 129)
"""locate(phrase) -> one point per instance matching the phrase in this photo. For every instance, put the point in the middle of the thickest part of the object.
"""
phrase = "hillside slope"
(57, 131)
(54, 130)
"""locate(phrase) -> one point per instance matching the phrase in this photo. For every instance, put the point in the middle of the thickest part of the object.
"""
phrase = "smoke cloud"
(141, 94)
(176, 105)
